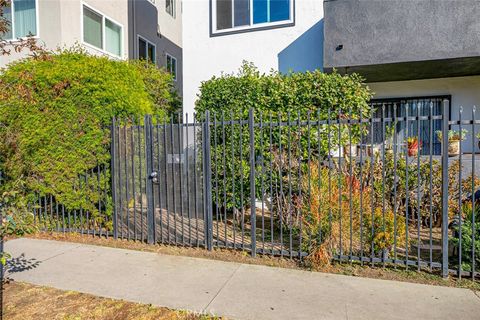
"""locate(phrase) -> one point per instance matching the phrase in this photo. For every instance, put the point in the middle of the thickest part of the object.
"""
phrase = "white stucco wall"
(170, 27)
(465, 93)
(60, 24)
(298, 47)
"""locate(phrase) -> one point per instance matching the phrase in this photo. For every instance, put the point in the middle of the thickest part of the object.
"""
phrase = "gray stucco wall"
(376, 32)
(143, 19)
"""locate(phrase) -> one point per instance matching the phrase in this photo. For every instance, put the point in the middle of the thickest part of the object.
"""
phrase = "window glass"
(142, 49)
(238, 13)
(242, 12)
(113, 38)
(172, 66)
(151, 53)
(92, 28)
(224, 14)
(25, 21)
(7, 15)
(260, 11)
(170, 7)
(279, 10)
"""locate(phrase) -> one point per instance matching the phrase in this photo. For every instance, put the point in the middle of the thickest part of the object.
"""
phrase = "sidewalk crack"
(221, 289)
(59, 254)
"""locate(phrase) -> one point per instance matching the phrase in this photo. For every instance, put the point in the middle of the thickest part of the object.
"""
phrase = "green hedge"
(55, 112)
(312, 95)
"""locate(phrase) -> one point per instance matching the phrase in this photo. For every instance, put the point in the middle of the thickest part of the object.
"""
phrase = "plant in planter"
(389, 133)
(454, 139)
(478, 137)
(413, 146)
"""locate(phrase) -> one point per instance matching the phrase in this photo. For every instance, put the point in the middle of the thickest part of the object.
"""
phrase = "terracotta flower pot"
(413, 152)
(454, 148)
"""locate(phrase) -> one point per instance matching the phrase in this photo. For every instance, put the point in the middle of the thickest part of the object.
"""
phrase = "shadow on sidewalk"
(20, 264)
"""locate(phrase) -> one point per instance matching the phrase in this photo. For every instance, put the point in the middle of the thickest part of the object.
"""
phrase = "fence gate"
(158, 181)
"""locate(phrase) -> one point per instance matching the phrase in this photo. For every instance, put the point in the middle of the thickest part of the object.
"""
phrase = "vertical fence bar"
(140, 174)
(445, 116)
(159, 144)
(134, 180)
(180, 173)
(430, 222)
(262, 187)
(149, 183)
(127, 194)
(407, 195)
(473, 192)
(165, 154)
(253, 218)
(419, 214)
(271, 210)
(395, 206)
(280, 178)
(174, 191)
(187, 170)
(207, 174)
(460, 238)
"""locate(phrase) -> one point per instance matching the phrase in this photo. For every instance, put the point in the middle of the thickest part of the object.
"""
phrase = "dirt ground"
(351, 269)
(24, 301)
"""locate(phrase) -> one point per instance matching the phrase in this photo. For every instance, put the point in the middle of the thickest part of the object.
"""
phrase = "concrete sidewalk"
(233, 290)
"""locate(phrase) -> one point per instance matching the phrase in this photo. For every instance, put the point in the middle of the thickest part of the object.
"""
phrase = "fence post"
(207, 174)
(149, 182)
(113, 154)
(445, 127)
(253, 217)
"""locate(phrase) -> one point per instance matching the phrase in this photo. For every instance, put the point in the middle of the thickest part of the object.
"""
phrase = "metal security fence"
(93, 213)
(399, 186)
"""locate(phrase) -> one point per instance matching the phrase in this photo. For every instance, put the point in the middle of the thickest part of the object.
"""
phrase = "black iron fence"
(399, 186)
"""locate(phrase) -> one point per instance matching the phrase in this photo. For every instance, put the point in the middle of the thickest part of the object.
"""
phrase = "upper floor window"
(146, 50)
(170, 7)
(172, 66)
(245, 14)
(22, 18)
(102, 32)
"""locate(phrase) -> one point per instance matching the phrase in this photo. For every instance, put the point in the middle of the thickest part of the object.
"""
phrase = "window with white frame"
(244, 14)
(22, 18)
(146, 50)
(170, 7)
(102, 32)
(172, 66)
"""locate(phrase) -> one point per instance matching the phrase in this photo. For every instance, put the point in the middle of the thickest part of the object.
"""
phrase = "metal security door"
(158, 185)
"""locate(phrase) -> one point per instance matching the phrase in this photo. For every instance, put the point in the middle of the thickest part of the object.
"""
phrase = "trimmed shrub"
(296, 96)
(55, 112)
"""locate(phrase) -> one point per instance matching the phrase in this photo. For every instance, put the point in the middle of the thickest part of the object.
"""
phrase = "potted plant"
(478, 137)
(389, 132)
(413, 145)
(454, 139)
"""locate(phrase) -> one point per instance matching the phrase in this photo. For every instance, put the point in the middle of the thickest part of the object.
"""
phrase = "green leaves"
(55, 113)
(295, 97)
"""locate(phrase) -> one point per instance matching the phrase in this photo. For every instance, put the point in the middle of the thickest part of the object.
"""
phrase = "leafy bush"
(470, 233)
(296, 96)
(55, 112)
(387, 230)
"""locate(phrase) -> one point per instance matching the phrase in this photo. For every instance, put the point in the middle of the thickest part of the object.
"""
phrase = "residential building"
(415, 52)
(192, 39)
(218, 35)
(100, 27)
(410, 52)
(156, 34)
